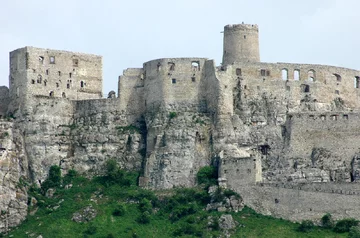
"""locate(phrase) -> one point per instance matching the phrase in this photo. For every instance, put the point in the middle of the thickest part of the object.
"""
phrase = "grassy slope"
(57, 223)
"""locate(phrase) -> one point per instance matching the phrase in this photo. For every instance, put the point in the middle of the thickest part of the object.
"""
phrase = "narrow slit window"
(357, 82)
(82, 84)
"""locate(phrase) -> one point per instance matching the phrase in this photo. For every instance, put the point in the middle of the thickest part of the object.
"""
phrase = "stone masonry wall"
(4, 101)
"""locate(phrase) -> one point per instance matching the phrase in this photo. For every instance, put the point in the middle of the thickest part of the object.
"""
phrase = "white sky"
(129, 33)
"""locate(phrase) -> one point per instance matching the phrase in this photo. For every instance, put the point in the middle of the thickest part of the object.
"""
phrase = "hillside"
(114, 206)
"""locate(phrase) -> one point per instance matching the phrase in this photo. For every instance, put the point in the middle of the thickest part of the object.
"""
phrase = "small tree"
(54, 179)
(354, 232)
(345, 225)
(306, 226)
(326, 221)
(207, 175)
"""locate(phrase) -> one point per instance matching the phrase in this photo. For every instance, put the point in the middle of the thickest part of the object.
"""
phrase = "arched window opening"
(357, 82)
(63, 95)
(195, 65)
(296, 74)
(81, 84)
(238, 72)
(51, 94)
(32, 81)
(338, 77)
(311, 75)
(284, 74)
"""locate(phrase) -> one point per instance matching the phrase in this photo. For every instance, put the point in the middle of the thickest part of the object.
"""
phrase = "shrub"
(207, 175)
(91, 230)
(326, 221)
(183, 210)
(119, 211)
(354, 232)
(115, 175)
(228, 193)
(144, 218)
(54, 179)
(187, 229)
(70, 176)
(172, 115)
(345, 225)
(306, 226)
(145, 206)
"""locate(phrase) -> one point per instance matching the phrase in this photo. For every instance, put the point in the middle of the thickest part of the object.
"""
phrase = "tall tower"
(241, 43)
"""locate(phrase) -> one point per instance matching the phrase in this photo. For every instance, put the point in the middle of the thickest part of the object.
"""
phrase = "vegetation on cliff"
(114, 206)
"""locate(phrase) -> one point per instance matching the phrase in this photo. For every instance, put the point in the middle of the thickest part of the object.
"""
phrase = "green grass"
(178, 211)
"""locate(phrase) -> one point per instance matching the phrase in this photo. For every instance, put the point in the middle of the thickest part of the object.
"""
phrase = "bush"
(326, 221)
(144, 218)
(115, 175)
(228, 193)
(306, 226)
(183, 210)
(54, 179)
(188, 229)
(354, 232)
(91, 230)
(119, 211)
(70, 176)
(345, 225)
(172, 115)
(207, 175)
(145, 206)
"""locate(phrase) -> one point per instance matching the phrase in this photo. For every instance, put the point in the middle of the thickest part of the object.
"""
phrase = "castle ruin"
(282, 135)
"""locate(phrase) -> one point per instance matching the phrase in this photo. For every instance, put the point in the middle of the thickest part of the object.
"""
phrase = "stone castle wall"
(174, 83)
(4, 100)
(298, 205)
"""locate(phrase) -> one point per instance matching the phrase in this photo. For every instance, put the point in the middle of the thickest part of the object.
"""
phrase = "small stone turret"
(241, 43)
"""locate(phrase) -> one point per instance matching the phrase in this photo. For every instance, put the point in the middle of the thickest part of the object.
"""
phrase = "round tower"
(241, 43)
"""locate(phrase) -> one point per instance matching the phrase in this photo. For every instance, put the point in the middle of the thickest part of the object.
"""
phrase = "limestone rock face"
(178, 145)
(13, 168)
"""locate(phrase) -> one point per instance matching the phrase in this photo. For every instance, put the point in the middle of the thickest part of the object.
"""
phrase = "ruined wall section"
(174, 83)
(101, 131)
(63, 74)
(297, 87)
(298, 205)
(131, 93)
(4, 101)
(18, 89)
(321, 146)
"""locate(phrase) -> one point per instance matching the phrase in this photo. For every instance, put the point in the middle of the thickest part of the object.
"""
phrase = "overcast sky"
(129, 33)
